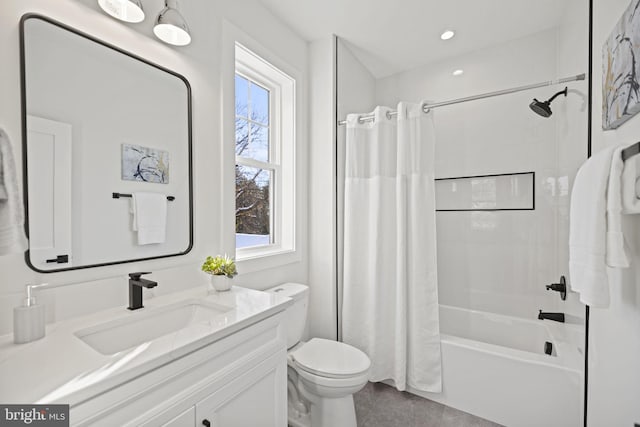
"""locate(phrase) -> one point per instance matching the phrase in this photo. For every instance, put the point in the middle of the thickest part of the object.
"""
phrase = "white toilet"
(322, 374)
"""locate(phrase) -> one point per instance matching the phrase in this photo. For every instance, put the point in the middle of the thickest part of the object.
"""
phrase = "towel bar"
(118, 195)
(631, 151)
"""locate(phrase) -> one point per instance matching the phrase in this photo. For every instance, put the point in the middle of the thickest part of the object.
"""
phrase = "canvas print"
(145, 164)
(621, 73)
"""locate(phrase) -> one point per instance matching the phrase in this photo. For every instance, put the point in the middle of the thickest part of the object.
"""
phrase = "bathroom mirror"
(100, 125)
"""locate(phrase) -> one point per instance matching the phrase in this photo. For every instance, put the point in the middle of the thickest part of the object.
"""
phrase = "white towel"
(595, 235)
(616, 253)
(630, 186)
(12, 237)
(149, 217)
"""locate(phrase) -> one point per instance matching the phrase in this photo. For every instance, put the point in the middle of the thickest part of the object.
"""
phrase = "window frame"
(282, 133)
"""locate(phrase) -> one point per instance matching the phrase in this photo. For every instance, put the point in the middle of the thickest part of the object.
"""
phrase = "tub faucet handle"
(559, 287)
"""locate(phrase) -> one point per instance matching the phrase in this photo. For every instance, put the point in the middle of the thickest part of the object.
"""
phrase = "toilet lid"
(331, 358)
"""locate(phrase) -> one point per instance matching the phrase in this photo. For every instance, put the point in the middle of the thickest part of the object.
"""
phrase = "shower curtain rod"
(426, 107)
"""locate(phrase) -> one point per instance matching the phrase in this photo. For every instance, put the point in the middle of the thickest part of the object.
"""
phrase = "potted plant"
(222, 269)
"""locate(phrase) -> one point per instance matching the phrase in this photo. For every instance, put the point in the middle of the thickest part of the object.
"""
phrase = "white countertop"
(61, 368)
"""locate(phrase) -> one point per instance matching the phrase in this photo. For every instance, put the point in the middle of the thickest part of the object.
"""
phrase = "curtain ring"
(388, 114)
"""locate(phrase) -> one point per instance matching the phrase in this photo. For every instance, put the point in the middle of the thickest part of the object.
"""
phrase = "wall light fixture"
(124, 10)
(171, 27)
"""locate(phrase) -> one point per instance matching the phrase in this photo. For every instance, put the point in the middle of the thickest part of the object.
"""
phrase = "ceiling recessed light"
(447, 35)
(458, 72)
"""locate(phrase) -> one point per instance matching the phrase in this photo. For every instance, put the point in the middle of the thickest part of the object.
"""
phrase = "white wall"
(204, 65)
(614, 336)
(355, 93)
(322, 181)
(499, 261)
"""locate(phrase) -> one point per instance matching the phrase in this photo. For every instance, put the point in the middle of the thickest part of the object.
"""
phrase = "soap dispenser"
(28, 320)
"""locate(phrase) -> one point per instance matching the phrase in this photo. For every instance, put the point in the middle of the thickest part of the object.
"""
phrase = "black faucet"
(136, 283)
(558, 317)
(559, 287)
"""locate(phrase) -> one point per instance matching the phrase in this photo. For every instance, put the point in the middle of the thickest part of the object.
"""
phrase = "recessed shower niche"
(99, 124)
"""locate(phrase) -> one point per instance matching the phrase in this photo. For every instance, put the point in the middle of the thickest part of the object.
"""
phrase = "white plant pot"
(220, 282)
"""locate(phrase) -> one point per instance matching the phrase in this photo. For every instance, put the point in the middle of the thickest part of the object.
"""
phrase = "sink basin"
(145, 326)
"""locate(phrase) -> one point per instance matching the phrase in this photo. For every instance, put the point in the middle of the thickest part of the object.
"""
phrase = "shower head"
(543, 108)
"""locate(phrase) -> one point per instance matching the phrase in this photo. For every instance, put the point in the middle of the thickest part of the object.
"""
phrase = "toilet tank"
(296, 314)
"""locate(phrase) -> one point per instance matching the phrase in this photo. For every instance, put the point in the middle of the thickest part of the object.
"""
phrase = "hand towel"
(12, 236)
(149, 217)
(630, 186)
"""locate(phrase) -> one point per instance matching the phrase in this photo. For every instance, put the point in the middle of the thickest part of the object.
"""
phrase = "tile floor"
(379, 405)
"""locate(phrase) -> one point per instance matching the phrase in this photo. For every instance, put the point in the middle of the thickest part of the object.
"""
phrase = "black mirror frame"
(23, 95)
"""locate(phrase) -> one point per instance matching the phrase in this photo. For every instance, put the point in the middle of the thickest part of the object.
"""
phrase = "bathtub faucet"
(559, 287)
(558, 317)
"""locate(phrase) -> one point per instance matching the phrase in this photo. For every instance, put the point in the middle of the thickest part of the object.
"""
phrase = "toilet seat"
(333, 383)
(330, 359)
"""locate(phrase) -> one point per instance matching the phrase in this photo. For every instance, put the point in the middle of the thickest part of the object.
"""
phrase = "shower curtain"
(390, 294)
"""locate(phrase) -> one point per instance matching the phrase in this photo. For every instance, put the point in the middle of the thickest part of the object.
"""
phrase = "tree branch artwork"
(145, 164)
(620, 85)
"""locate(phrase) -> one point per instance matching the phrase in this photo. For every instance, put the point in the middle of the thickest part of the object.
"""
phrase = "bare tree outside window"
(253, 184)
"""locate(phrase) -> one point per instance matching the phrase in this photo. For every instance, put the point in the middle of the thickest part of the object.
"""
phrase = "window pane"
(242, 137)
(242, 96)
(259, 104)
(253, 206)
(252, 140)
(258, 143)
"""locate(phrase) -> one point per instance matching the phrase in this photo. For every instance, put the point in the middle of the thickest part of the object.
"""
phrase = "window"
(254, 164)
(264, 170)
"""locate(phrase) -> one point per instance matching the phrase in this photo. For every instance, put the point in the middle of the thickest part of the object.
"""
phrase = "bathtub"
(495, 367)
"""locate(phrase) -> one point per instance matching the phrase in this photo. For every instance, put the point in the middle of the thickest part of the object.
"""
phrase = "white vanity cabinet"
(238, 381)
(250, 400)
(185, 419)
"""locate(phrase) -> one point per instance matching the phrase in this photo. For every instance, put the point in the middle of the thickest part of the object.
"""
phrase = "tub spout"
(558, 317)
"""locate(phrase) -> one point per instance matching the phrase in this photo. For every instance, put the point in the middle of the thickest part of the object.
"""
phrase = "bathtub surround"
(390, 274)
(509, 256)
(12, 237)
